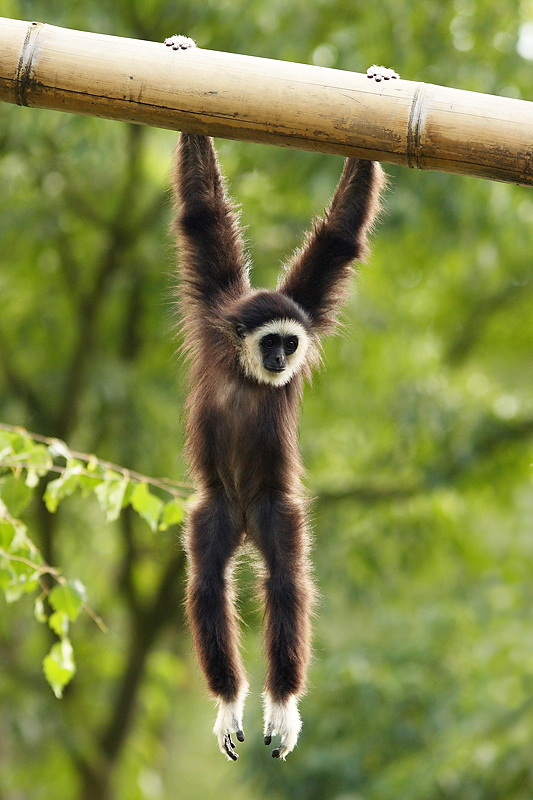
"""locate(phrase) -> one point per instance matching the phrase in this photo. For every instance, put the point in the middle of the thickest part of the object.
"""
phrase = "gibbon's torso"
(243, 449)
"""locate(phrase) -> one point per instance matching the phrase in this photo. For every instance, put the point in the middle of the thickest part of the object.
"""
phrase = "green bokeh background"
(417, 436)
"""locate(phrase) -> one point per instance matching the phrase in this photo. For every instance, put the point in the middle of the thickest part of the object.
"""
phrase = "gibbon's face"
(274, 352)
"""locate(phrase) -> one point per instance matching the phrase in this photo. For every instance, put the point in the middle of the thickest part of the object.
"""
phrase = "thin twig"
(160, 484)
(166, 484)
(42, 569)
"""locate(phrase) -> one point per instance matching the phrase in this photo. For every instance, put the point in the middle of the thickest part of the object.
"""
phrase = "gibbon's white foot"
(228, 721)
(282, 717)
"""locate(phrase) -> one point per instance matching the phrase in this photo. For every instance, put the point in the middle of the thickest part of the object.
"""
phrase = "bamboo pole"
(240, 97)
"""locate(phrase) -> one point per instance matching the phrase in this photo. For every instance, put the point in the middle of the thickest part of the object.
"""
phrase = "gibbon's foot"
(178, 42)
(381, 73)
(282, 717)
(228, 721)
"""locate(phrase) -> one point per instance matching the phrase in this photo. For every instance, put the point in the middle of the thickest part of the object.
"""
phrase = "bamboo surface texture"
(242, 97)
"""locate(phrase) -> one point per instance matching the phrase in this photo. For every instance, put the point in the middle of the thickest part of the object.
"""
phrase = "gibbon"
(249, 352)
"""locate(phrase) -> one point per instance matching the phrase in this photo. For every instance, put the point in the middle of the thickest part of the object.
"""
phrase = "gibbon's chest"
(244, 409)
(250, 423)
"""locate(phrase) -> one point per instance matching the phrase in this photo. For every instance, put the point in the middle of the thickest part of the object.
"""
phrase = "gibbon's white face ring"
(252, 359)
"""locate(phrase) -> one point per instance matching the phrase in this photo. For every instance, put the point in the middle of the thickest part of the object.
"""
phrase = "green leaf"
(59, 622)
(7, 533)
(20, 585)
(62, 487)
(146, 504)
(10, 443)
(67, 598)
(173, 514)
(24, 450)
(111, 494)
(6, 444)
(88, 484)
(16, 576)
(38, 455)
(59, 666)
(15, 493)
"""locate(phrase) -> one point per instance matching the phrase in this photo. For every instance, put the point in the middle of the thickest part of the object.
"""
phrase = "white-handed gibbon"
(249, 352)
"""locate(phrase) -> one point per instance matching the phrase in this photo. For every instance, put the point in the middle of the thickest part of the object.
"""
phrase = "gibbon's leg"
(212, 537)
(280, 532)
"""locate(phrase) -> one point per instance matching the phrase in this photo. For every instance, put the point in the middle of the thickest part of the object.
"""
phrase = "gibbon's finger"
(229, 747)
(240, 736)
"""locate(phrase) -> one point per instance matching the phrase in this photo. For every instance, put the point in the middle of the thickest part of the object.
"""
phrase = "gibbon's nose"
(275, 362)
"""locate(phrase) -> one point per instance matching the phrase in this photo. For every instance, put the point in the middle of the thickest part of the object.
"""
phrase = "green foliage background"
(417, 437)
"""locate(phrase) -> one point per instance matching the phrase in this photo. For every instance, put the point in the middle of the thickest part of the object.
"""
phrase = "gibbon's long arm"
(318, 274)
(212, 257)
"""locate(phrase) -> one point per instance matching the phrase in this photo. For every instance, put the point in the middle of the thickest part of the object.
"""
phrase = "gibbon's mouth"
(275, 369)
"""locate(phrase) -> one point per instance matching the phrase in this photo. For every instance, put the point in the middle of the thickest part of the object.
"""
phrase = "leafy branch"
(26, 458)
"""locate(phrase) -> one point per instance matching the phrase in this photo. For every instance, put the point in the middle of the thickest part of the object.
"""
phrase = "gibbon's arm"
(318, 274)
(212, 260)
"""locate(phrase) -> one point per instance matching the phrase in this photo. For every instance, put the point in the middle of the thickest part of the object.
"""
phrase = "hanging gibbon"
(249, 352)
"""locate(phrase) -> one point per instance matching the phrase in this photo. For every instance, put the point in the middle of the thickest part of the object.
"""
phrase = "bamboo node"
(24, 76)
(415, 128)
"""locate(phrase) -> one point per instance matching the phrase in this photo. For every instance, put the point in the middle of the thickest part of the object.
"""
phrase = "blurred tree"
(417, 436)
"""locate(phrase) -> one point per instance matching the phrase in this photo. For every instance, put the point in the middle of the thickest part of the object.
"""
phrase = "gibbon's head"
(273, 337)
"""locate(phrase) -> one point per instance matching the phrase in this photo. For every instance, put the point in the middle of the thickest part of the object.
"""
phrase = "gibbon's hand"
(178, 42)
(381, 73)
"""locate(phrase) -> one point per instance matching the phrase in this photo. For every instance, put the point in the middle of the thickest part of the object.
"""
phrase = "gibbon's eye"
(269, 342)
(290, 344)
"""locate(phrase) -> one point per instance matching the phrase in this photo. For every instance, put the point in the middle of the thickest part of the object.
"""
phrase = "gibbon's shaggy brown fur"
(242, 424)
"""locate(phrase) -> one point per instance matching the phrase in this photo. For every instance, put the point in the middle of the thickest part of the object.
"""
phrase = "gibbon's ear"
(241, 330)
